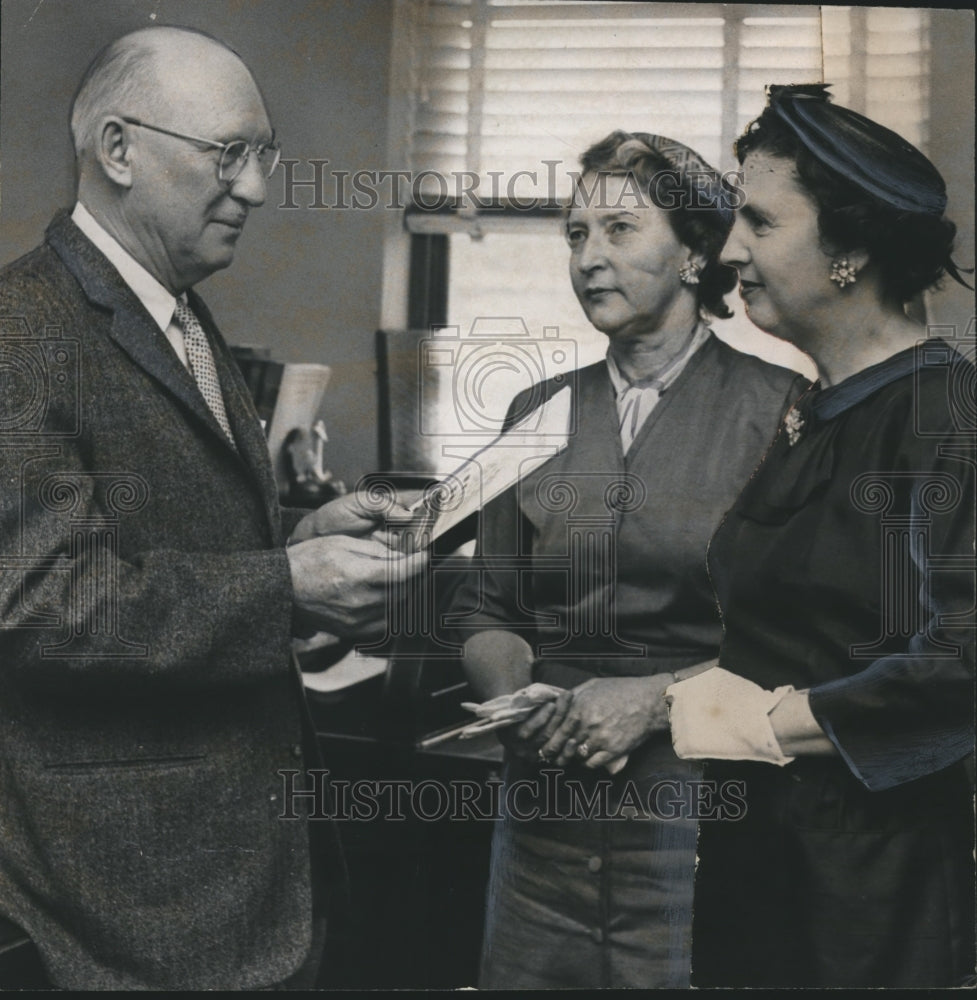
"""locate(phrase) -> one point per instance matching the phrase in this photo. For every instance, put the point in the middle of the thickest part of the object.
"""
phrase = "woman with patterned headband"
(843, 697)
(594, 582)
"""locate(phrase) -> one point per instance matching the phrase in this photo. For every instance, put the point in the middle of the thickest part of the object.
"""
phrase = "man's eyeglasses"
(234, 154)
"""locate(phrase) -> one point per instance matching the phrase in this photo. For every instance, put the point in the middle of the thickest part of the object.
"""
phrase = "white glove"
(720, 715)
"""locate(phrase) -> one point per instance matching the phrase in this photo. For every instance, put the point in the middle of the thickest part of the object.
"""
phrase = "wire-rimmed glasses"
(234, 154)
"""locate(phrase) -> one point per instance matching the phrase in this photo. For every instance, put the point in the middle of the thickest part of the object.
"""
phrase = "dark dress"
(847, 567)
(598, 560)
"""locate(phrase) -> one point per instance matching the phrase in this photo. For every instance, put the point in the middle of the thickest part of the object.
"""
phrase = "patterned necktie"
(202, 364)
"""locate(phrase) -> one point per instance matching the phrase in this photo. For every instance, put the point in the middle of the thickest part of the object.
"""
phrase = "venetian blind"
(511, 91)
(497, 87)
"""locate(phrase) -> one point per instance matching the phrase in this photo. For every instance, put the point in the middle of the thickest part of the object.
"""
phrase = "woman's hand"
(525, 739)
(607, 716)
(796, 729)
(725, 716)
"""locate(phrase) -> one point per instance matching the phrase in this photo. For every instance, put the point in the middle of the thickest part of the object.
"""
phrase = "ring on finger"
(583, 750)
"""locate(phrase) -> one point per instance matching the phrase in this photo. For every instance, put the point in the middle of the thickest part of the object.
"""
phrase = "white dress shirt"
(159, 302)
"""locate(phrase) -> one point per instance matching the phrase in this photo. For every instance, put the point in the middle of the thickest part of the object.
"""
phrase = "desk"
(419, 866)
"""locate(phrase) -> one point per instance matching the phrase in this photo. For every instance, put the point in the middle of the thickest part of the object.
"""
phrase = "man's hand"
(346, 515)
(342, 585)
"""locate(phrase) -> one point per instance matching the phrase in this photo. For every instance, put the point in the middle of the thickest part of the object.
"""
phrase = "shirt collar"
(620, 383)
(663, 379)
(159, 302)
(836, 399)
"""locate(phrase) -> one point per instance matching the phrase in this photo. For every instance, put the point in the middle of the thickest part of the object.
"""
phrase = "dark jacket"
(147, 695)
(846, 566)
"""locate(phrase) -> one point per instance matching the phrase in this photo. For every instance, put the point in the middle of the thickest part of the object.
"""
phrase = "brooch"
(793, 424)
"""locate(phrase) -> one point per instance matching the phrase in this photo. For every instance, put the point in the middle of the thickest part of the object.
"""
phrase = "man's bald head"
(150, 121)
(131, 74)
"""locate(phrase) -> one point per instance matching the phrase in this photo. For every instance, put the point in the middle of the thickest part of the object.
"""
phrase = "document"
(514, 454)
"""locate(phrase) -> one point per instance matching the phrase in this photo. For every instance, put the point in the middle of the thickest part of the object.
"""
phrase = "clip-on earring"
(842, 272)
(689, 272)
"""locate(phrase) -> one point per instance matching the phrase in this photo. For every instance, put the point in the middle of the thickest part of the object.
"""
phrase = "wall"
(308, 282)
(951, 147)
(305, 282)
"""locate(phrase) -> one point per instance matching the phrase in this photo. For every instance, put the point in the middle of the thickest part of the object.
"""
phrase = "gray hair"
(120, 76)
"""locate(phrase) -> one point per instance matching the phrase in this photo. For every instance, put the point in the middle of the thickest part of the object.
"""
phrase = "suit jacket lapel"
(133, 328)
(143, 341)
(135, 332)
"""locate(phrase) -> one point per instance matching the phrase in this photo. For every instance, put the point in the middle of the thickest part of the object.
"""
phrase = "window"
(505, 95)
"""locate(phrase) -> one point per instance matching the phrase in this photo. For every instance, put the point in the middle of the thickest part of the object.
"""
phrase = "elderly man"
(147, 695)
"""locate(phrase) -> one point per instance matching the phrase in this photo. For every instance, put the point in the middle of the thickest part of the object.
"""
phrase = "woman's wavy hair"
(911, 250)
(695, 201)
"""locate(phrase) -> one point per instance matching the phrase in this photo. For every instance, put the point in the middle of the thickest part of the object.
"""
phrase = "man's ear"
(113, 153)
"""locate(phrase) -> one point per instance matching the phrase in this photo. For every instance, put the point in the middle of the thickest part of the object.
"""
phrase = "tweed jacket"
(147, 695)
